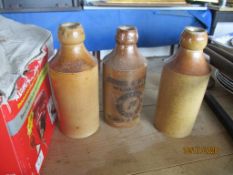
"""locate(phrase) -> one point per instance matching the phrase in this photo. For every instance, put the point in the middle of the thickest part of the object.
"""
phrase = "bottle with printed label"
(124, 74)
(74, 80)
(183, 84)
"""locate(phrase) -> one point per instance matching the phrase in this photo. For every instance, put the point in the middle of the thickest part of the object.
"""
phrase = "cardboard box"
(27, 122)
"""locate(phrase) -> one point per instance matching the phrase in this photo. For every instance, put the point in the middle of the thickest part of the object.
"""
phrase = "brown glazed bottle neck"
(190, 62)
(72, 52)
(125, 56)
(190, 59)
(126, 43)
(127, 35)
(194, 38)
(126, 50)
(71, 36)
(73, 56)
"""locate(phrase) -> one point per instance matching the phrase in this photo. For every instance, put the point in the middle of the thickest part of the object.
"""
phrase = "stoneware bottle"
(124, 73)
(74, 80)
(182, 86)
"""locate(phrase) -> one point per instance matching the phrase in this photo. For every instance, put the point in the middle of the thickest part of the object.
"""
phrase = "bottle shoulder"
(124, 62)
(189, 63)
(78, 63)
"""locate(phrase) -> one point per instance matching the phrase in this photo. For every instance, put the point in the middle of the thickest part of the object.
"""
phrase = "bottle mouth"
(127, 35)
(194, 30)
(71, 33)
(194, 38)
(70, 25)
(127, 28)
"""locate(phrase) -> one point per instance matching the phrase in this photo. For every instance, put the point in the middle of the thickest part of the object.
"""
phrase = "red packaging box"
(27, 122)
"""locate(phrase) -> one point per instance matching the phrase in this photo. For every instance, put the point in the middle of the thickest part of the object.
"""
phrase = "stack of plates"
(224, 81)
(225, 41)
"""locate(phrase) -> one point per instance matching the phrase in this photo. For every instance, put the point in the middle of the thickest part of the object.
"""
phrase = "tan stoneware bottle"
(183, 84)
(124, 74)
(74, 80)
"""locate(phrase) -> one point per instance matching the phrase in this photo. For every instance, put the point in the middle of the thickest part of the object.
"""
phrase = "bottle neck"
(72, 52)
(191, 54)
(126, 49)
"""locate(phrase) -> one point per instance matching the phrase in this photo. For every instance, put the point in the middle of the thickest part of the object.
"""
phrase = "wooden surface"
(142, 150)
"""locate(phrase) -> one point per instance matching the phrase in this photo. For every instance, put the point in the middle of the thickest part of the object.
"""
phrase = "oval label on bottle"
(123, 94)
(129, 104)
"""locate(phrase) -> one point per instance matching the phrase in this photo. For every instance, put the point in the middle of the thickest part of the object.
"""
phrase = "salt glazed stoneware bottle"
(124, 74)
(74, 80)
(183, 84)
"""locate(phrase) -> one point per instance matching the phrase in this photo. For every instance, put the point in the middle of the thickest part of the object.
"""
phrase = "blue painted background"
(155, 27)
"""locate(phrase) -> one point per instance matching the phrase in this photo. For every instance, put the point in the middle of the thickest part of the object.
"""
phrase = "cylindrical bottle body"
(183, 84)
(74, 80)
(124, 74)
(179, 101)
(123, 94)
(77, 101)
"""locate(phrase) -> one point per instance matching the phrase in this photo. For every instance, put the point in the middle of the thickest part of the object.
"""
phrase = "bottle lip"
(127, 34)
(127, 28)
(71, 33)
(194, 38)
(70, 25)
(194, 30)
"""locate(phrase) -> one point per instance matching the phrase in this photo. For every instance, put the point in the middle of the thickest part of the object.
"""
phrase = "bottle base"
(78, 136)
(171, 134)
(123, 124)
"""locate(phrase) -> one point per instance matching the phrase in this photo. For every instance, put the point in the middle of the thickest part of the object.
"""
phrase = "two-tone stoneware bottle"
(183, 84)
(74, 80)
(124, 74)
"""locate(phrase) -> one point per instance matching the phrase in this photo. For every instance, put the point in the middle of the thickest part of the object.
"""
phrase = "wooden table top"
(143, 150)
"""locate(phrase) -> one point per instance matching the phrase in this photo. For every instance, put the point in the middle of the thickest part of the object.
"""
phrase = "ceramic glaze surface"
(124, 80)
(182, 86)
(74, 80)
